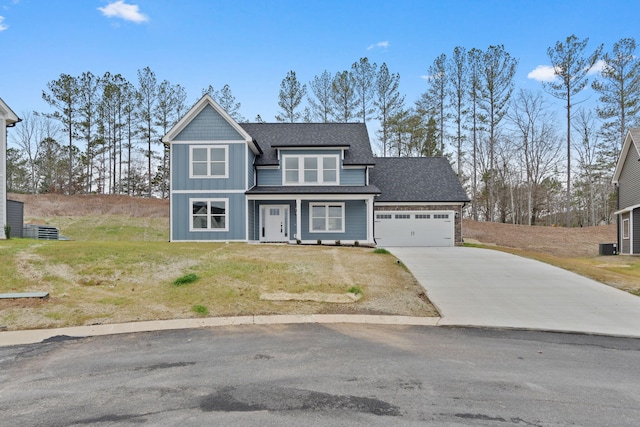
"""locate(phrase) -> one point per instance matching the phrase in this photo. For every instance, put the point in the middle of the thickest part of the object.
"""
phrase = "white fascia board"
(419, 203)
(8, 114)
(209, 142)
(628, 142)
(627, 209)
(208, 191)
(313, 197)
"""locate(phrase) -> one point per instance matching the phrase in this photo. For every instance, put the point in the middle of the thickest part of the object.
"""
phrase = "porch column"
(370, 219)
(298, 219)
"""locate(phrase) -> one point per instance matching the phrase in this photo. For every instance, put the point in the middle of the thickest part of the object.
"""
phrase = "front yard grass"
(112, 279)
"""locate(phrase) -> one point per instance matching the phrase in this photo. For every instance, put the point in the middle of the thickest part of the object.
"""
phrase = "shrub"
(185, 280)
(338, 243)
(319, 241)
(200, 310)
(298, 241)
(356, 243)
(7, 231)
(355, 290)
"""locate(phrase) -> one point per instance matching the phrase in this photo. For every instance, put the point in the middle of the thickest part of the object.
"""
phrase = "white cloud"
(120, 9)
(383, 45)
(3, 26)
(542, 73)
(597, 67)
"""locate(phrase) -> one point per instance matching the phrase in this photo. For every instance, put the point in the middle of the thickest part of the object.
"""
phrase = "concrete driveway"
(483, 287)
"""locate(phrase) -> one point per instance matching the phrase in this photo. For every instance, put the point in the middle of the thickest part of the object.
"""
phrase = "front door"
(275, 223)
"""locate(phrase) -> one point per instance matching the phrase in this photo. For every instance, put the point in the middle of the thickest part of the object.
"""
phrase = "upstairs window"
(209, 162)
(310, 170)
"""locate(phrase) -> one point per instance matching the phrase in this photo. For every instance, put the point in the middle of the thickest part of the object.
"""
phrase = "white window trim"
(209, 229)
(326, 205)
(625, 228)
(301, 170)
(208, 147)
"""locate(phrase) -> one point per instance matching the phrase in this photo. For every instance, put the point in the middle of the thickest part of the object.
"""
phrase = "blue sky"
(251, 45)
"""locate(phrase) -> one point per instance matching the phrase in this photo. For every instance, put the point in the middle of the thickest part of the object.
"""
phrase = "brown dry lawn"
(119, 267)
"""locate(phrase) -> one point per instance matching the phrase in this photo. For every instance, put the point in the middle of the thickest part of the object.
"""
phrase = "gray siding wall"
(251, 170)
(355, 222)
(629, 181)
(267, 177)
(352, 177)
(236, 217)
(208, 125)
(636, 231)
(15, 218)
(237, 169)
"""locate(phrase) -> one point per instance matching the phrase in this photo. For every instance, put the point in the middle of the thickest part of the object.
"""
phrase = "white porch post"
(370, 220)
(298, 219)
(631, 232)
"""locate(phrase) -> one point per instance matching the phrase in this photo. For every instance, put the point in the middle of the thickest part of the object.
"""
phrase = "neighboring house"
(627, 178)
(307, 182)
(7, 119)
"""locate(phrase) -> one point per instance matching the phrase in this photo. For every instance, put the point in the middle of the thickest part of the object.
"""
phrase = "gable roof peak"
(196, 109)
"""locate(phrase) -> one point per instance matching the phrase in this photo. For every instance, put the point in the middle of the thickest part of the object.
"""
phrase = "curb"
(32, 336)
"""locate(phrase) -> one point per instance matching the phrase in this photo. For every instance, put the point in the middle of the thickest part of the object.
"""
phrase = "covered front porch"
(309, 218)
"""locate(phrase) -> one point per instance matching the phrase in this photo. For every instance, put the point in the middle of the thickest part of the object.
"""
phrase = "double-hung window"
(326, 217)
(311, 170)
(209, 215)
(209, 161)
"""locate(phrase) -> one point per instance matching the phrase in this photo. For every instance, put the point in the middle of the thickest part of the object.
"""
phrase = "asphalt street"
(311, 374)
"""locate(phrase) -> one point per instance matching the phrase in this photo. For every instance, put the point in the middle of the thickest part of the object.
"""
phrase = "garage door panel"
(422, 228)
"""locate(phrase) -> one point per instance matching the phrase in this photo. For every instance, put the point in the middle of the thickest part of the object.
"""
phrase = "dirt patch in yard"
(559, 241)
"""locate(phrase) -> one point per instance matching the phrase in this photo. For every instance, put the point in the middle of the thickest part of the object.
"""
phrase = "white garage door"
(414, 228)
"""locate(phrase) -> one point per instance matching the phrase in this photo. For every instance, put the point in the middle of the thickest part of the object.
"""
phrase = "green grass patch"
(355, 290)
(186, 279)
(200, 310)
(381, 251)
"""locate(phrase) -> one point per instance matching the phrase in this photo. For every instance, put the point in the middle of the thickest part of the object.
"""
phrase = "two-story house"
(303, 182)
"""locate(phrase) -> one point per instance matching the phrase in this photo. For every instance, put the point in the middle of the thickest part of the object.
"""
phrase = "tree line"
(101, 135)
(506, 144)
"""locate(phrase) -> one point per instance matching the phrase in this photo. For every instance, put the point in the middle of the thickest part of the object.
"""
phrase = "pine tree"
(619, 89)
(291, 95)
(364, 74)
(571, 66)
(322, 105)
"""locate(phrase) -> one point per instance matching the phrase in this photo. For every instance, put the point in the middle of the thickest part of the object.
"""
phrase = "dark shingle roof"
(270, 136)
(315, 189)
(416, 179)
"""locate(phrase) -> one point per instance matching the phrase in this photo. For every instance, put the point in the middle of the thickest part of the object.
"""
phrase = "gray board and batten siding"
(629, 180)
